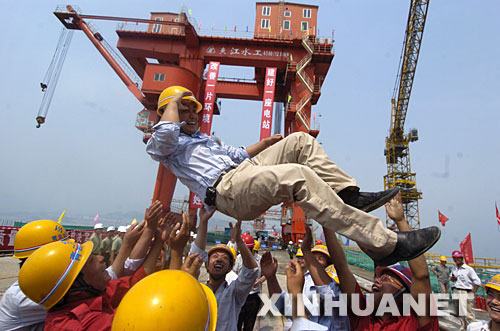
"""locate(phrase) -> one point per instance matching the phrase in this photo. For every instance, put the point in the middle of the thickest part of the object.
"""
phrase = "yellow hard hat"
(332, 272)
(164, 300)
(36, 234)
(50, 271)
(493, 283)
(321, 249)
(212, 306)
(442, 258)
(299, 253)
(170, 92)
(256, 246)
(233, 251)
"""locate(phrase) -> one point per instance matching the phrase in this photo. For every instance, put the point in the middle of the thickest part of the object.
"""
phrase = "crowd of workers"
(64, 285)
(128, 283)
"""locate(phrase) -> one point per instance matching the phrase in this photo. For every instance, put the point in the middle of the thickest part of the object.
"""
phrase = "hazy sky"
(89, 158)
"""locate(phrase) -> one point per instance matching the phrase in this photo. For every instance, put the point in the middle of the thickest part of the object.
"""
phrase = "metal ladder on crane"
(308, 83)
(51, 78)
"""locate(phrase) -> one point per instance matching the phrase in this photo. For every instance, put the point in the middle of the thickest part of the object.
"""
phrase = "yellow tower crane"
(397, 151)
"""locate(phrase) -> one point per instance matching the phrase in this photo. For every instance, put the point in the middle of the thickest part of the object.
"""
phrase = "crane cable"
(51, 78)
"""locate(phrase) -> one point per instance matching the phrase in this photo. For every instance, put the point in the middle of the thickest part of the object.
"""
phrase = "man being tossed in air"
(291, 169)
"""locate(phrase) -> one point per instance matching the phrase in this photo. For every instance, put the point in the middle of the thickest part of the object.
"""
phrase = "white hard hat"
(290, 242)
(98, 226)
(300, 240)
(122, 229)
(111, 228)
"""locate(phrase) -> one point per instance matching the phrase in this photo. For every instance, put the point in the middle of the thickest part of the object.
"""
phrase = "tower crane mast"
(397, 151)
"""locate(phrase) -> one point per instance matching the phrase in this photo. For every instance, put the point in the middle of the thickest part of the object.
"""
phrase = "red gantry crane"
(171, 49)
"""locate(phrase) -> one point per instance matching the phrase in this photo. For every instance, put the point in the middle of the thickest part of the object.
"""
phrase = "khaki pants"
(445, 287)
(297, 169)
(463, 308)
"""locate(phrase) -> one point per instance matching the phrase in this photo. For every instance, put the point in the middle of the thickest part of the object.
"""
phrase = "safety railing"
(301, 114)
(64, 9)
(117, 57)
(306, 80)
(165, 29)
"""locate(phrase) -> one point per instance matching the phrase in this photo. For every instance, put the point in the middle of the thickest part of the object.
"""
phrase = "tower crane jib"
(397, 150)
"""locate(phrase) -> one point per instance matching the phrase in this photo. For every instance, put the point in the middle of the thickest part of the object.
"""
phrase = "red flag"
(498, 214)
(466, 248)
(443, 219)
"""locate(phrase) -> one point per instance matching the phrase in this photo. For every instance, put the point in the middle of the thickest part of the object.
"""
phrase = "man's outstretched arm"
(420, 275)
(171, 112)
(166, 136)
(246, 255)
(269, 266)
(255, 149)
(346, 279)
(318, 273)
(201, 236)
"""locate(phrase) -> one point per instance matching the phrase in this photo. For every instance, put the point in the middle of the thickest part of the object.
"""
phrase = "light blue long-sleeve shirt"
(335, 322)
(195, 159)
(230, 297)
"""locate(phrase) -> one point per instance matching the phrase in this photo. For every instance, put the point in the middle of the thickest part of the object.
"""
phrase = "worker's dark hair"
(21, 262)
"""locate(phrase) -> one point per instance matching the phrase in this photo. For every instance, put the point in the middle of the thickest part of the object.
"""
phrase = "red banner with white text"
(267, 103)
(206, 116)
(209, 98)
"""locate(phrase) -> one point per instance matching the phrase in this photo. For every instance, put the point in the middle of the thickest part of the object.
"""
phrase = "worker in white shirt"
(17, 311)
(492, 289)
(96, 238)
(466, 284)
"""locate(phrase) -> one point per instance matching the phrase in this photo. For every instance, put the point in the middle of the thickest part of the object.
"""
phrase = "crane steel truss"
(397, 151)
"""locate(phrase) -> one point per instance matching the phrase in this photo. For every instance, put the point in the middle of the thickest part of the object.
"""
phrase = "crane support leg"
(165, 186)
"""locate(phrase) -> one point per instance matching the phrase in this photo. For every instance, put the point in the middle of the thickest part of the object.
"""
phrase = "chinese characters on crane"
(206, 116)
(267, 103)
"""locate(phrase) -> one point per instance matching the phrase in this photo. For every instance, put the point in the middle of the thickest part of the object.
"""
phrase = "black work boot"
(411, 245)
(367, 201)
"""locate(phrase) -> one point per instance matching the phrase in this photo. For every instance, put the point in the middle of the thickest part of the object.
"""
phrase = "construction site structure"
(397, 150)
(171, 49)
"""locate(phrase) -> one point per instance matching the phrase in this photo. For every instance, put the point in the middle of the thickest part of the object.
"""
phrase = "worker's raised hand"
(394, 208)
(192, 265)
(294, 277)
(236, 231)
(273, 139)
(180, 233)
(134, 233)
(307, 241)
(153, 214)
(166, 225)
(205, 215)
(268, 265)
(176, 103)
